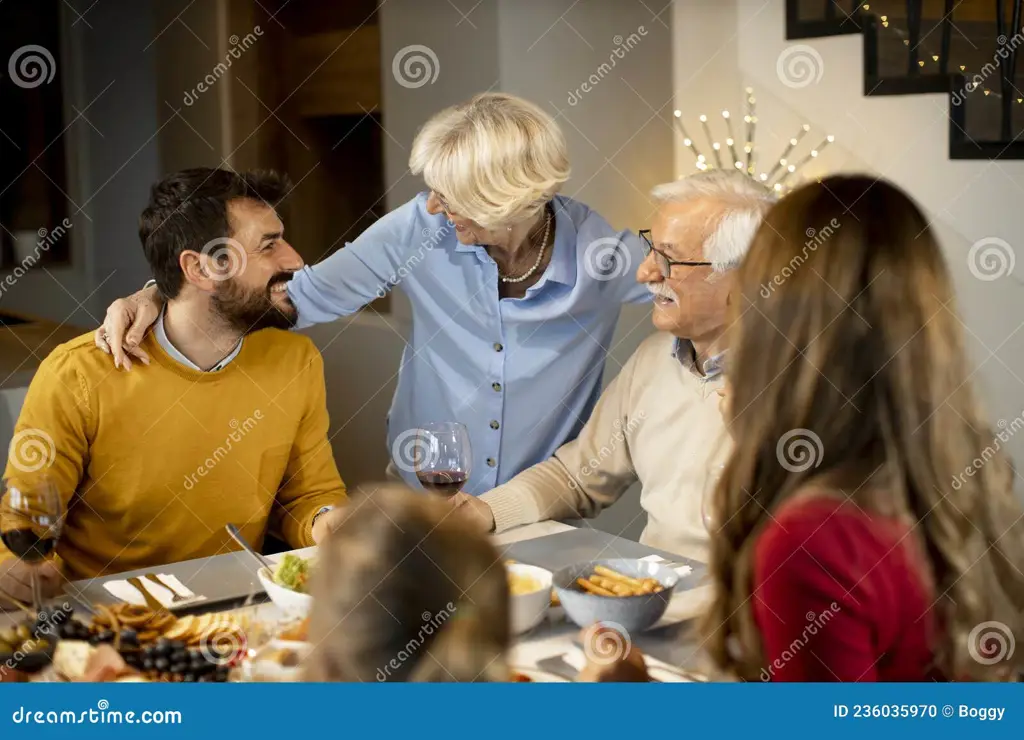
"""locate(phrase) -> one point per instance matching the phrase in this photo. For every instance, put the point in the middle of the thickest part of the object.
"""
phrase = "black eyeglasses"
(662, 260)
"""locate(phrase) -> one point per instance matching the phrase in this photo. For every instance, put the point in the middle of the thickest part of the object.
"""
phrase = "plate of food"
(630, 593)
(288, 585)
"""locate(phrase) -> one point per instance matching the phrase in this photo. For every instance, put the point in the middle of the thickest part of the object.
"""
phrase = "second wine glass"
(444, 457)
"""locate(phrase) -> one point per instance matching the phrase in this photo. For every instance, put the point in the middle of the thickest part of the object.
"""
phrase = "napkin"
(656, 669)
(682, 570)
(127, 592)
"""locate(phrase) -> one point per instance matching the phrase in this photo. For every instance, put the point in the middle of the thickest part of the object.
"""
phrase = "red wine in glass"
(443, 457)
(446, 483)
(31, 516)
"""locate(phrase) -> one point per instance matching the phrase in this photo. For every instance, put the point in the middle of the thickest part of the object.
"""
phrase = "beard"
(251, 310)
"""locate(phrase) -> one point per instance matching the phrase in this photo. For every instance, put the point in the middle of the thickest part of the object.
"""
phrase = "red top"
(838, 596)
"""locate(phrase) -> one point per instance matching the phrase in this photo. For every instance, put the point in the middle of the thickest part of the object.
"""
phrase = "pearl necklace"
(540, 254)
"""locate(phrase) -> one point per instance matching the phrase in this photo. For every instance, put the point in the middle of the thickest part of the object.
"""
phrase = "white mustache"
(662, 291)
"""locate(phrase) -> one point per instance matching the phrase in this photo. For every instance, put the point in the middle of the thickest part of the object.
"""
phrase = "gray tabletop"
(230, 579)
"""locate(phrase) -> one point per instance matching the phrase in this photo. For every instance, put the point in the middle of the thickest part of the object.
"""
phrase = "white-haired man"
(659, 421)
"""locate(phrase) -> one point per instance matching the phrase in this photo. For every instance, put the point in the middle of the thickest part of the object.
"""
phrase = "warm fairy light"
(764, 176)
(935, 57)
(687, 142)
(729, 142)
(677, 113)
(725, 114)
(703, 119)
(739, 165)
(792, 169)
(793, 142)
(806, 127)
(830, 137)
(885, 17)
(747, 148)
(746, 119)
(778, 187)
(700, 157)
(814, 152)
(716, 146)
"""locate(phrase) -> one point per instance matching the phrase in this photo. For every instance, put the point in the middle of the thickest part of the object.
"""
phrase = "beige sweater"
(657, 422)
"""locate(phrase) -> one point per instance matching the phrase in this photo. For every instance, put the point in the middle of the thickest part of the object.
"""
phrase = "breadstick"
(609, 573)
(619, 589)
(592, 588)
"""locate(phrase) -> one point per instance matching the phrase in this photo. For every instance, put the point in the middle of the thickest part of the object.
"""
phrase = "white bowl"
(291, 603)
(529, 609)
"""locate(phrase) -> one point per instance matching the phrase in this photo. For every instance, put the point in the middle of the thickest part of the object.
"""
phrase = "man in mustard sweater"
(227, 423)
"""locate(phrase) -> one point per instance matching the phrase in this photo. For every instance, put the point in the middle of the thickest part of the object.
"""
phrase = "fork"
(175, 596)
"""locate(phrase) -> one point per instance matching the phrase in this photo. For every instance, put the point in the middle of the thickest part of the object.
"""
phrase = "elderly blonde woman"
(515, 289)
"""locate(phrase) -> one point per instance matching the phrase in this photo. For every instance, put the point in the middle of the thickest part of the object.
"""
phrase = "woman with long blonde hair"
(857, 538)
(405, 592)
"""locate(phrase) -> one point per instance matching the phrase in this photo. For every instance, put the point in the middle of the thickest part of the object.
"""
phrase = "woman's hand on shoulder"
(125, 325)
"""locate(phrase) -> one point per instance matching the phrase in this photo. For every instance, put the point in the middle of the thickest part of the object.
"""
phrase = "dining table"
(228, 582)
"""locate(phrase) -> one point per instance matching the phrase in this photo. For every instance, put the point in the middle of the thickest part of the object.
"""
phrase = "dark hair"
(189, 209)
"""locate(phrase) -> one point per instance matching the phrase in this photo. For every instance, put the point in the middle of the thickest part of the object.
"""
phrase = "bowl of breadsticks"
(630, 593)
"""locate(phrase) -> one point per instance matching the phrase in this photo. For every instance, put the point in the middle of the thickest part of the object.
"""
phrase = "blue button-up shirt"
(523, 374)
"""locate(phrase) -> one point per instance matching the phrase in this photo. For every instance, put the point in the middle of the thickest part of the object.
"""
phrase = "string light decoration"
(782, 170)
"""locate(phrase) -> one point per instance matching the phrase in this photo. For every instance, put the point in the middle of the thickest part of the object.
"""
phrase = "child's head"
(404, 592)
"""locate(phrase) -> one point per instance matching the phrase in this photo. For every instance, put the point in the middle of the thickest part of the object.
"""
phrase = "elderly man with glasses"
(658, 423)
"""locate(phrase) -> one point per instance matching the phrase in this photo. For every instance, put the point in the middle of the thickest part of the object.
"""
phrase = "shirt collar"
(682, 350)
(164, 341)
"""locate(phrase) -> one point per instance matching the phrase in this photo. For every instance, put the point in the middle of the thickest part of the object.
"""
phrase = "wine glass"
(443, 457)
(31, 516)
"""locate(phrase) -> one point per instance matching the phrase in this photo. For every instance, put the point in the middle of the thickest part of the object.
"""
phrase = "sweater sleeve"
(585, 475)
(51, 437)
(311, 477)
(819, 594)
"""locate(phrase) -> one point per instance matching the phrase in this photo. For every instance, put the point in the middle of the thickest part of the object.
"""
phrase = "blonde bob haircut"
(496, 159)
